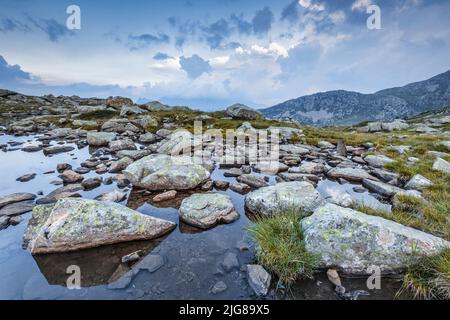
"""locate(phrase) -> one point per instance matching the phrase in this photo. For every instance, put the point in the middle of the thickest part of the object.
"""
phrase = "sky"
(209, 54)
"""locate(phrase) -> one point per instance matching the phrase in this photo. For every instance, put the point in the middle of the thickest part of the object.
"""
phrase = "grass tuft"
(280, 247)
(429, 277)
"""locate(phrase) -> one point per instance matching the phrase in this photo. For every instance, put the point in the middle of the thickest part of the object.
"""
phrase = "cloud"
(290, 12)
(161, 56)
(54, 30)
(8, 25)
(308, 4)
(136, 42)
(216, 33)
(243, 26)
(262, 21)
(361, 5)
(194, 66)
(12, 74)
(273, 49)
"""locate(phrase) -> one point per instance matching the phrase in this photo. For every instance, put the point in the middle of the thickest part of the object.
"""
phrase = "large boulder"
(354, 241)
(176, 142)
(241, 111)
(162, 172)
(100, 139)
(118, 102)
(395, 125)
(74, 224)
(205, 210)
(296, 195)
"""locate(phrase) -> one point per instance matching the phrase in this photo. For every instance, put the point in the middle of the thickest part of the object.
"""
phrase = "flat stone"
(252, 180)
(17, 208)
(378, 161)
(283, 196)
(351, 174)
(58, 149)
(386, 190)
(207, 210)
(259, 279)
(26, 177)
(16, 197)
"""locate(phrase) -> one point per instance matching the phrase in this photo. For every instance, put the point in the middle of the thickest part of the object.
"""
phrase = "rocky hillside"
(346, 108)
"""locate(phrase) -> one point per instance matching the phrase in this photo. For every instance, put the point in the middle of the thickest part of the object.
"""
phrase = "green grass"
(280, 247)
(428, 278)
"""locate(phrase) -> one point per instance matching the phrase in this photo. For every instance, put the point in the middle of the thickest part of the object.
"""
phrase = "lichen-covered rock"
(162, 172)
(353, 241)
(118, 145)
(85, 124)
(298, 195)
(100, 139)
(127, 110)
(177, 141)
(205, 210)
(74, 224)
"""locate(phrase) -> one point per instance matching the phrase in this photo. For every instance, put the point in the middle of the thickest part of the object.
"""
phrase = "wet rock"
(334, 278)
(169, 195)
(16, 208)
(32, 148)
(207, 210)
(272, 167)
(82, 170)
(378, 161)
(57, 149)
(26, 177)
(125, 144)
(259, 279)
(286, 195)
(359, 189)
(132, 257)
(252, 180)
(207, 186)
(112, 196)
(219, 287)
(92, 183)
(353, 241)
(119, 165)
(241, 188)
(133, 154)
(418, 182)
(441, 165)
(70, 176)
(230, 262)
(4, 222)
(351, 174)
(384, 189)
(221, 185)
(150, 263)
(63, 167)
(100, 139)
(299, 177)
(233, 172)
(309, 168)
(74, 224)
(15, 220)
(162, 172)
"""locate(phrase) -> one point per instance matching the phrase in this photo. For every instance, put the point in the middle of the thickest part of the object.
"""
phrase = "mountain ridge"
(342, 107)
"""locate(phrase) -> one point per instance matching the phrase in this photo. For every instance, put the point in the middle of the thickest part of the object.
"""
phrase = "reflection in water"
(98, 266)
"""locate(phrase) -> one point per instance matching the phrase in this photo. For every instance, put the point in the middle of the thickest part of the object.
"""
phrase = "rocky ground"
(403, 164)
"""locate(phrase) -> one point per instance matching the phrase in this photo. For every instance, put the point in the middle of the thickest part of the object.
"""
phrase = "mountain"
(346, 108)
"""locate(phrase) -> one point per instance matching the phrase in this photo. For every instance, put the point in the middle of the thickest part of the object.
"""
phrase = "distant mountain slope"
(344, 107)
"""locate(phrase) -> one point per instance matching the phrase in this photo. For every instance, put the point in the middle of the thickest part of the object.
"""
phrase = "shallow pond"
(192, 258)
